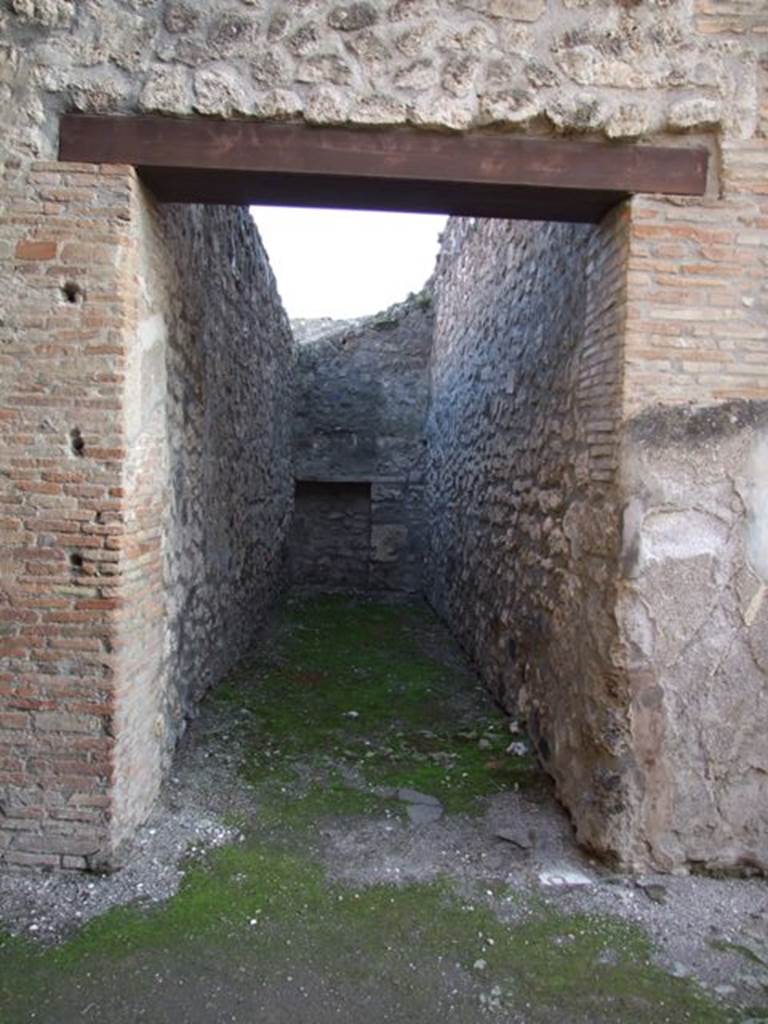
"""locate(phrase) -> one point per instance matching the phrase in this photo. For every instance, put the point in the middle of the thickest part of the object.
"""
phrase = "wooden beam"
(238, 161)
(180, 185)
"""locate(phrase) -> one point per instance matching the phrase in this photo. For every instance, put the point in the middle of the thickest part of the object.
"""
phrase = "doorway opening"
(203, 529)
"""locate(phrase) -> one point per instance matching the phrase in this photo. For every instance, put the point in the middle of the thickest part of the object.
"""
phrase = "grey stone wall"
(330, 541)
(222, 373)
(618, 68)
(361, 406)
(522, 494)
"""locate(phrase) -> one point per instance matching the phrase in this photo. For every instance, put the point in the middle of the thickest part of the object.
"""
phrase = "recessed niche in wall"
(331, 537)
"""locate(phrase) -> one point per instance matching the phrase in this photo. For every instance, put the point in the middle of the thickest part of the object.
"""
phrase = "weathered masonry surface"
(218, 352)
(132, 576)
(625, 70)
(208, 378)
(360, 450)
(524, 503)
(639, 524)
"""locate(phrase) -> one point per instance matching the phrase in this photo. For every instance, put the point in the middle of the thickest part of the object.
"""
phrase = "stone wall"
(82, 521)
(622, 69)
(217, 360)
(208, 478)
(330, 540)
(523, 499)
(131, 579)
(361, 406)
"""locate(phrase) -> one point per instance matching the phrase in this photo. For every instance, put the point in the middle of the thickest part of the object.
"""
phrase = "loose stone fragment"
(424, 814)
(564, 877)
(413, 796)
(654, 891)
(515, 837)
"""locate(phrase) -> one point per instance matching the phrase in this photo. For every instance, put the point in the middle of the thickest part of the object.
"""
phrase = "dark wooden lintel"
(239, 161)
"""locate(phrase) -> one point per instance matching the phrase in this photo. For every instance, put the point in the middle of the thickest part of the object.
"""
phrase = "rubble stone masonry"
(208, 473)
(523, 495)
(130, 579)
(361, 409)
(621, 68)
(632, 488)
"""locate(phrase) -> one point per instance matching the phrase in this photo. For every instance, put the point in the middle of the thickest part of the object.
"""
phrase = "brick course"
(85, 720)
(60, 624)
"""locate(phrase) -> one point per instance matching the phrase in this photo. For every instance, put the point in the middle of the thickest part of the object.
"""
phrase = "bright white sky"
(345, 263)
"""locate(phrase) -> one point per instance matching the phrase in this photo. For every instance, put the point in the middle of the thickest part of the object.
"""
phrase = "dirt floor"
(355, 833)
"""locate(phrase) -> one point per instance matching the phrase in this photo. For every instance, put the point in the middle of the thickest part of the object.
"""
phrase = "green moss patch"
(357, 685)
(255, 913)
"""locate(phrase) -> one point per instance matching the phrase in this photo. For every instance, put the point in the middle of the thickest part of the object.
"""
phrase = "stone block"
(388, 542)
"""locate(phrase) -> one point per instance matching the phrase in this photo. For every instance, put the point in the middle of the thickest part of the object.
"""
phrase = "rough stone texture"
(361, 406)
(209, 378)
(523, 498)
(330, 540)
(224, 350)
(603, 66)
(643, 678)
(694, 622)
(82, 522)
(116, 489)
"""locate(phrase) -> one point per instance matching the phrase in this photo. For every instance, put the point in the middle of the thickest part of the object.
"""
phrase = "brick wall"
(138, 553)
(65, 249)
(698, 292)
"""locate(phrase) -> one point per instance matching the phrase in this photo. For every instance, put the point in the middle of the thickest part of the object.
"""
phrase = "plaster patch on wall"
(756, 498)
(702, 791)
(675, 533)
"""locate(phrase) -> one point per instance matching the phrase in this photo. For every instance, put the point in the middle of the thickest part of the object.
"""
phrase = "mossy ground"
(355, 688)
(258, 932)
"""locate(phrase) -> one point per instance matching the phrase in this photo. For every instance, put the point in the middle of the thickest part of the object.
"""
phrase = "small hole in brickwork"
(72, 293)
(76, 560)
(78, 444)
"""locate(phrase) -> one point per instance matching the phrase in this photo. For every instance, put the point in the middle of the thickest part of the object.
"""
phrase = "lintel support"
(475, 174)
